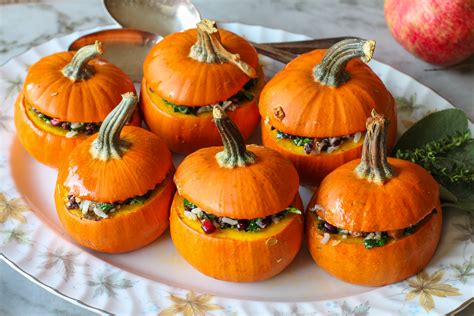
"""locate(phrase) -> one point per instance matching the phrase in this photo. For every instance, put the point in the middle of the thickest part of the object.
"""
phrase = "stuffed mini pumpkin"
(65, 98)
(314, 110)
(188, 72)
(114, 191)
(236, 215)
(377, 220)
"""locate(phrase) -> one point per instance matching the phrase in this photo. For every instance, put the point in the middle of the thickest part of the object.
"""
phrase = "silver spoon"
(167, 16)
(161, 17)
(128, 47)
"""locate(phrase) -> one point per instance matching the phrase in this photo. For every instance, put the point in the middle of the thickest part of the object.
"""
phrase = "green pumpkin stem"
(78, 68)
(209, 49)
(331, 70)
(235, 153)
(373, 165)
(108, 144)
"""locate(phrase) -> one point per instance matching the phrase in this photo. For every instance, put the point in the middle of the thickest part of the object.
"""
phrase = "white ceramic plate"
(156, 279)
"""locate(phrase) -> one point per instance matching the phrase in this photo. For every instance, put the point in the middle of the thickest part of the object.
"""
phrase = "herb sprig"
(442, 144)
(433, 156)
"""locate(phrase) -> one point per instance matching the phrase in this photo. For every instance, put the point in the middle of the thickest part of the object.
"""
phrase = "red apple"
(438, 31)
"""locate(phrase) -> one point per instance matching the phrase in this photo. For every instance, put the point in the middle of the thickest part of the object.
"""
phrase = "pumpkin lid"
(326, 93)
(236, 180)
(117, 163)
(76, 86)
(377, 193)
(200, 66)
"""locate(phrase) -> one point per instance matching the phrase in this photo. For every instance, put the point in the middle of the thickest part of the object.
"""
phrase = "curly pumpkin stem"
(235, 153)
(78, 69)
(209, 49)
(373, 165)
(331, 70)
(108, 144)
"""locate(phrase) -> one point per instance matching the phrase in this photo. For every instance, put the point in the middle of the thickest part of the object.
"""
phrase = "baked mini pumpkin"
(236, 215)
(188, 72)
(65, 98)
(114, 191)
(376, 220)
(314, 110)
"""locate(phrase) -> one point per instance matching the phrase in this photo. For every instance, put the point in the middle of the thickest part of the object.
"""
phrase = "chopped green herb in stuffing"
(250, 225)
(372, 242)
(241, 96)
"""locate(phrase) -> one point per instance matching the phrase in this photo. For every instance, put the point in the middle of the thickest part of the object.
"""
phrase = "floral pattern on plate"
(66, 269)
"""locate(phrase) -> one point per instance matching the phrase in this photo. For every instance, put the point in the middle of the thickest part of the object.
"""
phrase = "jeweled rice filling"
(317, 145)
(210, 222)
(71, 128)
(93, 210)
(369, 239)
(230, 104)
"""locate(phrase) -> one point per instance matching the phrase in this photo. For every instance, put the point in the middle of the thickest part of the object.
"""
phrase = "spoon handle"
(274, 53)
(300, 47)
(286, 51)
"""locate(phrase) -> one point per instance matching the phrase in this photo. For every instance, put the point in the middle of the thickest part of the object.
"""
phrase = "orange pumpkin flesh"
(375, 194)
(237, 256)
(196, 68)
(117, 164)
(85, 93)
(185, 133)
(238, 182)
(297, 103)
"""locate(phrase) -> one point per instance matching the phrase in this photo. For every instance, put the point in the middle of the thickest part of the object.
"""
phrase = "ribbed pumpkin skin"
(47, 148)
(314, 110)
(355, 204)
(187, 134)
(180, 79)
(313, 168)
(378, 266)
(376, 194)
(234, 259)
(146, 163)
(87, 100)
(256, 190)
(123, 232)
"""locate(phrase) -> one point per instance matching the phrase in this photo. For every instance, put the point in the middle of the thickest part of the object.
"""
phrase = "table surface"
(43, 20)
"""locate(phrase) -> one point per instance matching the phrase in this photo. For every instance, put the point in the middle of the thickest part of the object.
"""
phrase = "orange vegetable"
(237, 256)
(324, 94)
(127, 169)
(197, 68)
(375, 194)
(69, 87)
(242, 183)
